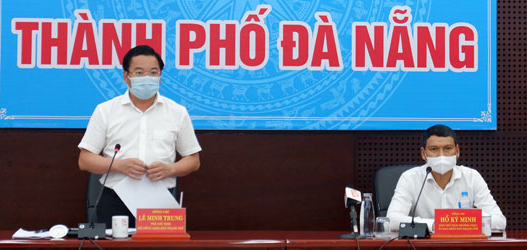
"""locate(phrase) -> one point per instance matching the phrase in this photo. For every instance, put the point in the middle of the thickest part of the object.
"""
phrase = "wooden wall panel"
(270, 181)
(40, 181)
(247, 181)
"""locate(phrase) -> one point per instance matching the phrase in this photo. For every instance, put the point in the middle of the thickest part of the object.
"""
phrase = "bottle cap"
(464, 193)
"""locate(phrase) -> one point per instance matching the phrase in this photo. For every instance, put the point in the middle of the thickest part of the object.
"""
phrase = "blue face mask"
(144, 87)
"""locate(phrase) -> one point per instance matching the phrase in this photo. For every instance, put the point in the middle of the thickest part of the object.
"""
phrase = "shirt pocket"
(164, 145)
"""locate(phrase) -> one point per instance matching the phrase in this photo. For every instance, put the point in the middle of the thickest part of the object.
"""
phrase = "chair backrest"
(385, 182)
(93, 188)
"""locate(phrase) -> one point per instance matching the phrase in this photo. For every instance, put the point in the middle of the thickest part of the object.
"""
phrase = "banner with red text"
(250, 64)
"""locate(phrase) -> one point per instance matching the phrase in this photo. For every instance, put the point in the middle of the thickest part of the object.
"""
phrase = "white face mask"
(441, 164)
(144, 87)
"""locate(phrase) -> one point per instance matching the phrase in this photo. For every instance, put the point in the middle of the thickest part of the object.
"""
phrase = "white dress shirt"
(463, 179)
(150, 136)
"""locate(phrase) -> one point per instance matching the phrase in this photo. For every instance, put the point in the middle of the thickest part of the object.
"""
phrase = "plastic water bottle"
(464, 202)
(367, 216)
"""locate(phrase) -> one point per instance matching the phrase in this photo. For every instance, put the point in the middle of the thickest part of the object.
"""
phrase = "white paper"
(144, 194)
(24, 234)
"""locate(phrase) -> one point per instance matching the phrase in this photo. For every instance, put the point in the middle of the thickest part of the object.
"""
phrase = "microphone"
(415, 230)
(93, 230)
(352, 197)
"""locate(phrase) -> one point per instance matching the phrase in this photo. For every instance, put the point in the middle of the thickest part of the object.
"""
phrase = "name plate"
(458, 221)
(161, 224)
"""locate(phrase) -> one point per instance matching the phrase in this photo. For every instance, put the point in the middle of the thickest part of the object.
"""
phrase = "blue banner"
(293, 65)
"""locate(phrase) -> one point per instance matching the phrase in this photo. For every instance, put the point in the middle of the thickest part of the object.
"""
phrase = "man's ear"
(126, 79)
(423, 154)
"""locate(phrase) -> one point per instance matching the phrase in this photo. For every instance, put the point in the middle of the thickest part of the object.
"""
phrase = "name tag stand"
(458, 224)
(161, 224)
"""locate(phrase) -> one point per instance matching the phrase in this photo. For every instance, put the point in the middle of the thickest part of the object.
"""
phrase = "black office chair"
(385, 182)
(94, 187)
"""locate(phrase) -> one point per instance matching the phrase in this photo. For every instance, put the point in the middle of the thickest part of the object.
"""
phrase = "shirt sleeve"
(483, 199)
(401, 205)
(187, 143)
(94, 139)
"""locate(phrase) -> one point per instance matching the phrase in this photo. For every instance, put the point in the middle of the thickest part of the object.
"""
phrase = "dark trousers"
(110, 205)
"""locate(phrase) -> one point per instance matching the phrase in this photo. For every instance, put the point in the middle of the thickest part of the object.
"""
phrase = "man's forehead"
(435, 140)
(144, 62)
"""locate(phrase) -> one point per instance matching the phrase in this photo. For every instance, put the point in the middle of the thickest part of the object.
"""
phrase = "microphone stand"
(354, 230)
(92, 230)
(415, 230)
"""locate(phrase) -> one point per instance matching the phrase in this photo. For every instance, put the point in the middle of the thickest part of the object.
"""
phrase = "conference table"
(269, 240)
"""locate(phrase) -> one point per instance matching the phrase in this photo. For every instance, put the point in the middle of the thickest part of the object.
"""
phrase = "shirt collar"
(430, 176)
(456, 174)
(127, 100)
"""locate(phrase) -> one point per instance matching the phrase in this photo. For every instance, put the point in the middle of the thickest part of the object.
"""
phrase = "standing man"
(150, 129)
(443, 187)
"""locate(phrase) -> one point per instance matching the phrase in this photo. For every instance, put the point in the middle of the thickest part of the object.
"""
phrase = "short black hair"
(141, 50)
(438, 130)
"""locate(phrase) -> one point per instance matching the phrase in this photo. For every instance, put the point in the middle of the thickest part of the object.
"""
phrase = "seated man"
(443, 187)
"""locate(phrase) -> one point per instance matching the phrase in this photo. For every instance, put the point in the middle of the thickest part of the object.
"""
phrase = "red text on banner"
(436, 47)
(52, 43)
(228, 44)
(298, 49)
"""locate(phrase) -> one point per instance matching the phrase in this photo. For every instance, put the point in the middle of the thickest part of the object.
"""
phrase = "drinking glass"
(382, 227)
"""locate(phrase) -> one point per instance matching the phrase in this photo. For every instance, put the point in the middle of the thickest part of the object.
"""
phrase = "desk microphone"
(415, 230)
(352, 197)
(93, 230)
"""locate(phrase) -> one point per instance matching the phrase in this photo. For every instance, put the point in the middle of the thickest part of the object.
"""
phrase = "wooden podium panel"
(271, 240)
(331, 240)
(200, 240)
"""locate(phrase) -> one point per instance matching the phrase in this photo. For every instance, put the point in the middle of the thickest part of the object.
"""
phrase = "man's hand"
(131, 167)
(158, 171)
